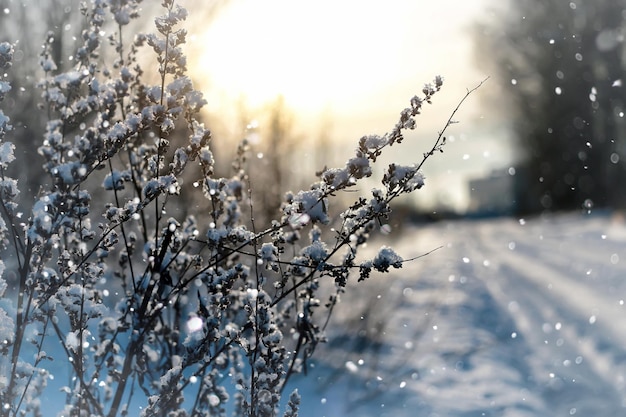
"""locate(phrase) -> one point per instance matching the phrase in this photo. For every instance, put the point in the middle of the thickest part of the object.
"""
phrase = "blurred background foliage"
(561, 68)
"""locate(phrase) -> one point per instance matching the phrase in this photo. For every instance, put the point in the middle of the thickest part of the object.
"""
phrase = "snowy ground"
(511, 318)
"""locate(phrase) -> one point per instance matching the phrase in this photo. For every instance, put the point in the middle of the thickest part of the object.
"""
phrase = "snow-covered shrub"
(154, 314)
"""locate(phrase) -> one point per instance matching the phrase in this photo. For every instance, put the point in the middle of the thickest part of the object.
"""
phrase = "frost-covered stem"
(20, 322)
(18, 245)
(332, 305)
(438, 142)
(142, 318)
(80, 373)
(137, 189)
(163, 71)
(123, 229)
(310, 275)
(199, 393)
(255, 353)
(42, 299)
(437, 146)
(133, 345)
(292, 363)
(217, 260)
(395, 193)
(85, 393)
(37, 361)
(120, 47)
(202, 370)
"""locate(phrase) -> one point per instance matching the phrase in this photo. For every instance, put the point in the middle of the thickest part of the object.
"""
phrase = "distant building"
(492, 195)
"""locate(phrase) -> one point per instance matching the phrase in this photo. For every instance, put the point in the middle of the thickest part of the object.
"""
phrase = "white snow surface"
(511, 318)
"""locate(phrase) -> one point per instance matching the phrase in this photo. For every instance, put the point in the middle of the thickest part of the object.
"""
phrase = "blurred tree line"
(30, 23)
(562, 65)
(283, 157)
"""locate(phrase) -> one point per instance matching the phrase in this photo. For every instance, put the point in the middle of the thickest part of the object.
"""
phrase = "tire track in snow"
(511, 335)
(575, 333)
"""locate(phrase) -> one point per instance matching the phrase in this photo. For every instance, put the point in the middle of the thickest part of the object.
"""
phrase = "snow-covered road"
(511, 318)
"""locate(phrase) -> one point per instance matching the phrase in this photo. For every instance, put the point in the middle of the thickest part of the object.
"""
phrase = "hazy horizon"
(354, 66)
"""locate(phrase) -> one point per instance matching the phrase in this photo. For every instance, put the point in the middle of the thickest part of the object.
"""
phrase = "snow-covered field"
(511, 318)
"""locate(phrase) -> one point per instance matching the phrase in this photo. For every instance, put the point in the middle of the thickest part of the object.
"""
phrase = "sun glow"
(350, 64)
(355, 60)
(311, 53)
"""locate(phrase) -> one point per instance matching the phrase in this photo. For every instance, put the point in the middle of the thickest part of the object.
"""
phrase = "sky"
(357, 64)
